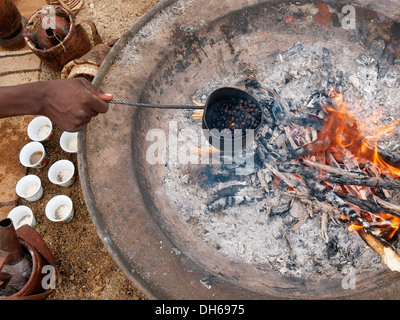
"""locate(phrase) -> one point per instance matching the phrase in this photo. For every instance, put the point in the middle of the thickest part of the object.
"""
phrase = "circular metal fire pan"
(124, 194)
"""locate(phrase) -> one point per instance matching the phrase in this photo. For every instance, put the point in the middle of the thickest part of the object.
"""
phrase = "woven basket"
(88, 65)
(73, 5)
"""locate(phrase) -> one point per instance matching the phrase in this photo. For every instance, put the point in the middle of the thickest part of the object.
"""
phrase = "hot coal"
(234, 114)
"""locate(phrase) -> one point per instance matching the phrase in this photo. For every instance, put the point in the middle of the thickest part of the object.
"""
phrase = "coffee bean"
(234, 114)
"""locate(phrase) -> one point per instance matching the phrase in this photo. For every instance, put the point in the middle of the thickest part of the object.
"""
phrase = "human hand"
(72, 103)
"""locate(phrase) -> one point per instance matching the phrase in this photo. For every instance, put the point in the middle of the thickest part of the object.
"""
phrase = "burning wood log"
(367, 205)
(322, 193)
(335, 153)
(382, 248)
(340, 129)
(340, 177)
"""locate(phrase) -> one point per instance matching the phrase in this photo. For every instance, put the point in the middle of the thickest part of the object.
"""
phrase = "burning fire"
(383, 224)
(341, 134)
(343, 130)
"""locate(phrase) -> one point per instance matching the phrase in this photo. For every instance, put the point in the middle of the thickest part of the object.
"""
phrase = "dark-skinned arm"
(69, 103)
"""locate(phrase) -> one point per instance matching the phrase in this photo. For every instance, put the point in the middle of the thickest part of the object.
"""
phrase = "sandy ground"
(87, 270)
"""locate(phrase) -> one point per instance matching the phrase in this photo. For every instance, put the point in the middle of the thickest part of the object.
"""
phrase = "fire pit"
(289, 216)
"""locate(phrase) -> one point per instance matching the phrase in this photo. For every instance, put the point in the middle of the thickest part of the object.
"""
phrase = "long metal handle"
(148, 105)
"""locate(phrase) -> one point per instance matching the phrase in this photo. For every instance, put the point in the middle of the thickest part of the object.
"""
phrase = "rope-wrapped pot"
(88, 65)
(74, 45)
(73, 5)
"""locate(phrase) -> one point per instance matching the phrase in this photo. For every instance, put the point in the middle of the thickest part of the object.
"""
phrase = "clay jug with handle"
(11, 26)
(75, 44)
(10, 18)
(27, 267)
(15, 260)
(48, 37)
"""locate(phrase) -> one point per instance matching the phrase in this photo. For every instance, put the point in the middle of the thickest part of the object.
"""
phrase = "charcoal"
(229, 191)
(332, 247)
(228, 201)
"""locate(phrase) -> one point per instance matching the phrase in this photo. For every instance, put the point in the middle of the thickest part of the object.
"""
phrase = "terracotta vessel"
(74, 44)
(10, 18)
(24, 262)
(47, 37)
(11, 25)
(88, 65)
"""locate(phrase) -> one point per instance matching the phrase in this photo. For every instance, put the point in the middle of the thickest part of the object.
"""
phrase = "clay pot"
(11, 26)
(88, 65)
(20, 251)
(73, 5)
(74, 45)
(47, 37)
(10, 18)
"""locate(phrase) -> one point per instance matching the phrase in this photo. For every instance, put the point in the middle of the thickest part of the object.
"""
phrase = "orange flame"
(385, 225)
(344, 131)
(341, 134)
(354, 227)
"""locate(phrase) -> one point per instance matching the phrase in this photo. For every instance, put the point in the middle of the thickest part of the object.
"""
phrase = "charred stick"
(270, 163)
(289, 137)
(393, 160)
(331, 169)
(314, 122)
(307, 198)
(387, 205)
(344, 178)
(322, 193)
(261, 152)
(370, 153)
(380, 246)
(313, 147)
(366, 205)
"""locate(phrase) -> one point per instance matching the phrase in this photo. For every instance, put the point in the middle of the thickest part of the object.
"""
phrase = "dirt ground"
(87, 270)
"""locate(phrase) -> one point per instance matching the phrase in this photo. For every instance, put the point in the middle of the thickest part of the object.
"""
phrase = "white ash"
(246, 231)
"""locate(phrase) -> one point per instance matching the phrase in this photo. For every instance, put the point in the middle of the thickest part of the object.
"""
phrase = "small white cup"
(62, 173)
(40, 129)
(60, 209)
(33, 155)
(22, 215)
(29, 187)
(69, 142)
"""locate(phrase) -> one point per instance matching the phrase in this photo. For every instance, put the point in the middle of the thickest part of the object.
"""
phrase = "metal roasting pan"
(124, 194)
